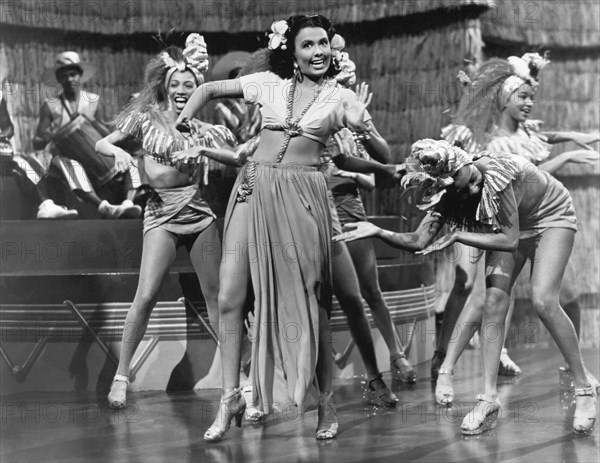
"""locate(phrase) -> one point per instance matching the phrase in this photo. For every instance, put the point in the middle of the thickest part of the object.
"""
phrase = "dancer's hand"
(439, 245)
(345, 142)
(585, 157)
(187, 156)
(123, 160)
(585, 139)
(355, 110)
(183, 124)
(345, 174)
(357, 231)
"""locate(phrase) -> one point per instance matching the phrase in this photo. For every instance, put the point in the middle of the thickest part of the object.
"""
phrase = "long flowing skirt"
(289, 248)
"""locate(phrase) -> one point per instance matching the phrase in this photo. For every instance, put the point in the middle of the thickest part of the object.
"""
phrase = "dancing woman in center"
(277, 229)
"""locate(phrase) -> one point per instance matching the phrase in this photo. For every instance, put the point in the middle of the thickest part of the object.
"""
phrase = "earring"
(297, 73)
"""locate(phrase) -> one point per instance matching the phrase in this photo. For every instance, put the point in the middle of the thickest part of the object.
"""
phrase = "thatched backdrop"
(110, 17)
(408, 51)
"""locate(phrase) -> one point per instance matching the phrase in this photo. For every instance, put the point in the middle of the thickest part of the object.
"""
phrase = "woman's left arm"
(374, 143)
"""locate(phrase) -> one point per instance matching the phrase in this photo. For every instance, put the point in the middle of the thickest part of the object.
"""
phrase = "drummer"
(56, 112)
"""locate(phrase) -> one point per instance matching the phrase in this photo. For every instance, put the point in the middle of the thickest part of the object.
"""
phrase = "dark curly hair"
(281, 62)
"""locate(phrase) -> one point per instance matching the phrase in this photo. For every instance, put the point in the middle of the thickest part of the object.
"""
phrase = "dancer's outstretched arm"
(231, 88)
(415, 241)
(505, 239)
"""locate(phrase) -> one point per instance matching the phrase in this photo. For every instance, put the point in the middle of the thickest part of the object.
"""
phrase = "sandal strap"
(122, 378)
(585, 391)
(443, 371)
(483, 398)
(374, 378)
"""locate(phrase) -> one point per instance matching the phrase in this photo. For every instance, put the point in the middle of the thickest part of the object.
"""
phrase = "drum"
(77, 140)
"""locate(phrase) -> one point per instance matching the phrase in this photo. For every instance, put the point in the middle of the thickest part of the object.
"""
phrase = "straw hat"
(68, 59)
(230, 62)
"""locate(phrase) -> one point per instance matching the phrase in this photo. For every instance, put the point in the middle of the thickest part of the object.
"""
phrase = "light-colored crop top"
(323, 118)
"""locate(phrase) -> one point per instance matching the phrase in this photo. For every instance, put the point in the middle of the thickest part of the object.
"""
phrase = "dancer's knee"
(496, 305)
(230, 303)
(545, 305)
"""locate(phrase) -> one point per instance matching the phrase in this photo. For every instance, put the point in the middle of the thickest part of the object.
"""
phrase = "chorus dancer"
(355, 265)
(505, 205)
(176, 214)
(494, 115)
(279, 222)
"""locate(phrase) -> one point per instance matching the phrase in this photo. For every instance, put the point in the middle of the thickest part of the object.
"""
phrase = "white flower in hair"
(196, 52)
(337, 45)
(520, 67)
(347, 75)
(528, 66)
(277, 37)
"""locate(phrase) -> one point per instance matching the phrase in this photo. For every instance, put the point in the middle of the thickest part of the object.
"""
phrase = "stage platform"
(66, 287)
(159, 427)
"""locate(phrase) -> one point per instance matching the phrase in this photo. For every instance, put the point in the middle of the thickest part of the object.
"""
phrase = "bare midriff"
(162, 176)
(300, 151)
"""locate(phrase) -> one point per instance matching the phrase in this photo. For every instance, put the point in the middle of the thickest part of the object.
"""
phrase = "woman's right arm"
(107, 146)
(231, 88)
(414, 241)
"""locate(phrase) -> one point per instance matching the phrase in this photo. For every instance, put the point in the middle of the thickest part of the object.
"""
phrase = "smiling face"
(180, 89)
(468, 181)
(312, 52)
(520, 103)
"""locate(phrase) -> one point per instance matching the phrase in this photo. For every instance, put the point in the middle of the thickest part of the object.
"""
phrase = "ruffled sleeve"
(529, 143)
(132, 124)
(500, 172)
(461, 136)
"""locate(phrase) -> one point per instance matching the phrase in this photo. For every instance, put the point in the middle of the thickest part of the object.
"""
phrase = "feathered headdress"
(195, 59)
(490, 88)
(431, 167)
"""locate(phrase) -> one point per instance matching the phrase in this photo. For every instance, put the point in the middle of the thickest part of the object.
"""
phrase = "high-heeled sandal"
(444, 393)
(401, 369)
(436, 363)
(253, 414)
(117, 397)
(507, 367)
(378, 393)
(327, 427)
(232, 405)
(584, 418)
(484, 417)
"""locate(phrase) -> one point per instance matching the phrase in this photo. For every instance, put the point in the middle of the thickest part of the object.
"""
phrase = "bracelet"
(364, 135)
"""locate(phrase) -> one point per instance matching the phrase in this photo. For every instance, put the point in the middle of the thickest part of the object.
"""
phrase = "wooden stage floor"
(162, 427)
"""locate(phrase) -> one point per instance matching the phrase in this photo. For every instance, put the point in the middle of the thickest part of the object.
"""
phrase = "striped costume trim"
(529, 143)
(500, 172)
(160, 145)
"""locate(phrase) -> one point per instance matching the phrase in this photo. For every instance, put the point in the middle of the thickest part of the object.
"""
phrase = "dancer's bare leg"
(347, 292)
(549, 262)
(158, 253)
(233, 278)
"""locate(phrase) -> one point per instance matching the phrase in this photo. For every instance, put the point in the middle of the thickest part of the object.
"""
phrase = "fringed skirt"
(289, 239)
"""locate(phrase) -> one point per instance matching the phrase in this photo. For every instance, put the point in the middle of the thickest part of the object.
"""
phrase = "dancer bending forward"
(507, 206)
